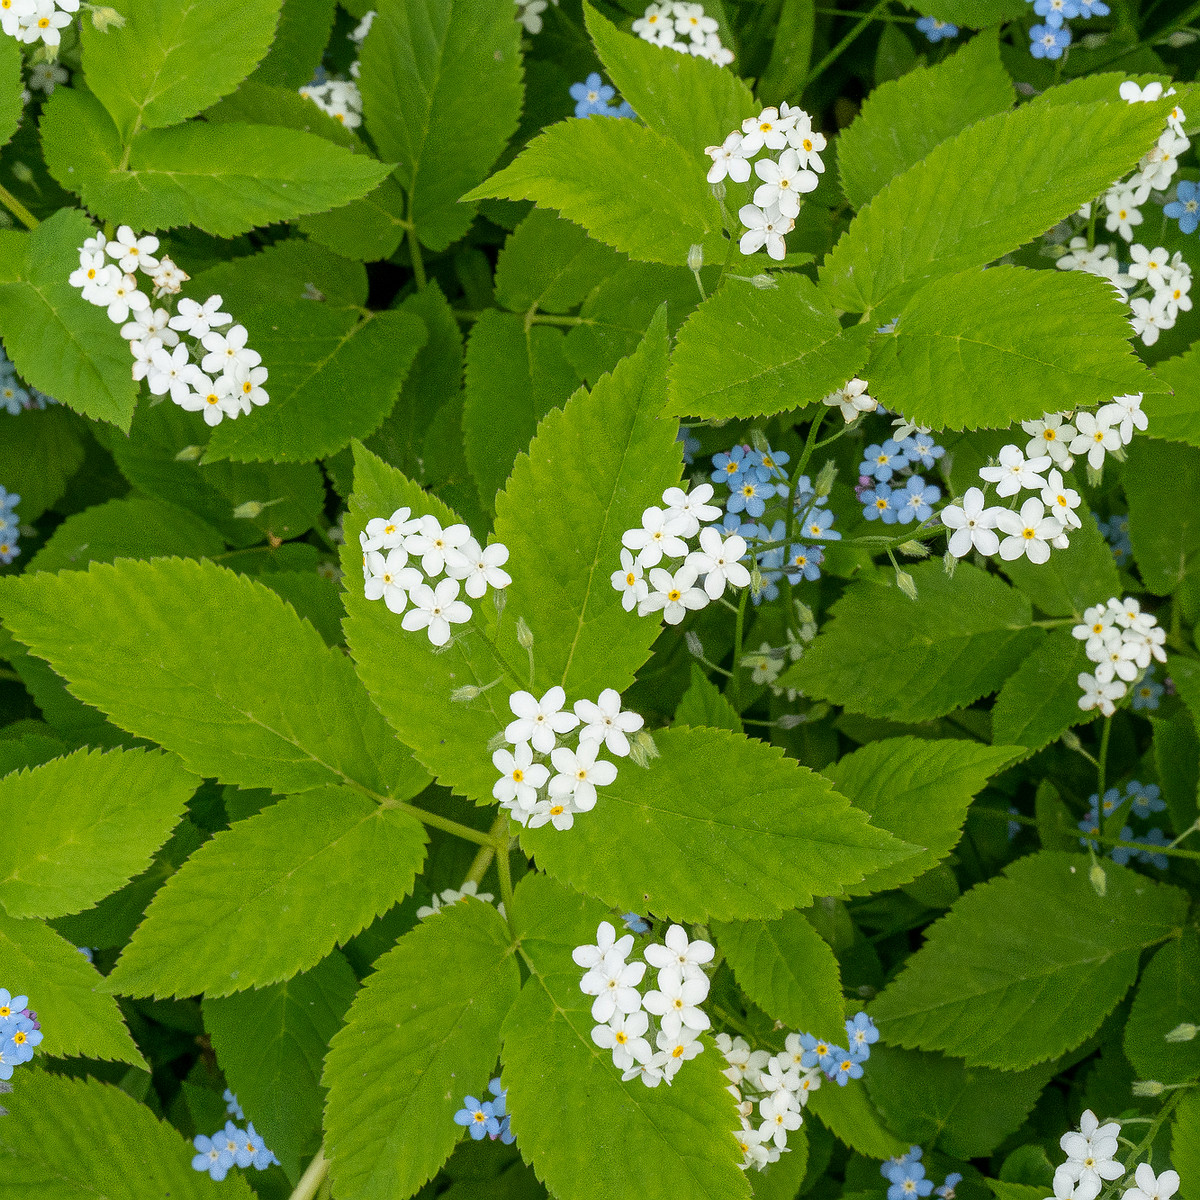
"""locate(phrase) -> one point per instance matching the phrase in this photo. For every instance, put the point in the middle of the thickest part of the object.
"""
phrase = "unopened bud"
(914, 549)
(791, 720)
(249, 510)
(639, 756)
(695, 257)
(190, 454)
(694, 645)
(524, 634)
(906, 583)
(646, 742)
(949, 564)
(1182, 1033)
(824, 484)
(717, 422)
(1148, 1087)
(756, 581)
(21, 173)
(1094, 475)
(804, 614)
(718, 191)
(499, 599)
(758, 440)
(1098, 878)
(105, 18)
(1070, 739)
(764, 282)
(496, 742)
(1181, 38)
(463, 694)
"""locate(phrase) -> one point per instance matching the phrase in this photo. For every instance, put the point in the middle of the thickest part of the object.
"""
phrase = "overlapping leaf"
(1168, 995)
(1166, 538)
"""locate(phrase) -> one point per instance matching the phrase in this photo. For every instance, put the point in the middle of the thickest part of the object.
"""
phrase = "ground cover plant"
(599, 600)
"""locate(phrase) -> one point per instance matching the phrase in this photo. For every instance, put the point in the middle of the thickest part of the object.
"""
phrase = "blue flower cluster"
(1146, 800)
(592, 99)
(487, 1118)
(9, 528)
(839, 1064)
(1185, 208)
(906, 1178)
(635, 924)
(15, 396)
(231, 1146)
(1149, 692)
(1116, 534)
(19, 1032)
(882, 465)
(1052, 38)
(936, 30)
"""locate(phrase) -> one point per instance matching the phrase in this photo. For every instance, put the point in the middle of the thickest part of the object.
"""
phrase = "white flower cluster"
(1089, 1159)
(1045, 520)
(341, 98)
(624, 1013)
(526, 788)
(469, 891)
(32, 21)
(664, 533)
(683, 27)
(226, 382)
(1155, 284)
(788, 133)
(778, 1086)
(387, 544)
(852, 401)
(1121, 640)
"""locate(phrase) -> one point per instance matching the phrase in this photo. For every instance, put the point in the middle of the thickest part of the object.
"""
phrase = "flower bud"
(1181, 38)
(718, 191)
(1070, 739)
(791, 720)
(694, 645)
(1182, 1033)
(764, 282)
(914, 549)
(190, 454)
(1148, 1087)
(21, 173)
(824, 484)
(758, 440)
(463, 694)
(906, 583)
(105, 18)
(695, 257)
(949, 564)
(639, 755)
(496, 742)
(524, 634)
(249, 511)
(499, 599)
(1098, 878)
(646, 742)
(756, 581)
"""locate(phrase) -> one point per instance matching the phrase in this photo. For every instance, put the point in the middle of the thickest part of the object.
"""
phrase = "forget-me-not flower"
(1185, 208)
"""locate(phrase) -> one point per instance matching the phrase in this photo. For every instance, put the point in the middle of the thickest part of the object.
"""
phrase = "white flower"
(691, 21)
(43, 23)
(650, 1072)
(386, 533)
(11, 14)
(1149, 318)
(97, 241)
(1128, 614)
(1151, 1186)
(431, 542)
(624, 1035)
(807, 143)
(436, 609)
(852, 400)
(1123, 213)
(124, 298)
(779, 1121)
(1120, 659)
(168, 278)
(783, 183)
(1051, 435)
(717, 559)
(675, 1003)
(1130, 92)
(1065, 1188)
(604, 723)
(1149, 264)
(607, 942)
(391, 578)
(614, 983)
(213, 397)
(764, 228)
(480, 568)
(1097, 645)
(679, 1046)
(539, 721)
(132, 252)
(91, 264)
(763, 130)
(171, 371)
(228, 350)
(750, 1142)
(628, 581)
(1095, 436)
(692, 506)
(520, 776)
(1061, 500)
(150, 324)
(1097, 694)
(1015, 472)
(1090, 1152)
(530, 14)
(973, 525)
(1030, 532)
(468, 891)
(679, 959)
(579, 774)
(1174, 297)
(673, 594)
(728, 159)
(1127, 410)
(143, 355)
(199, 319)
(660, 534)
(248, 383)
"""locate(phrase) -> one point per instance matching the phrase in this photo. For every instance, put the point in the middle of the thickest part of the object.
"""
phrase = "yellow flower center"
(518, 775)
(1028, 533)
(673, 594)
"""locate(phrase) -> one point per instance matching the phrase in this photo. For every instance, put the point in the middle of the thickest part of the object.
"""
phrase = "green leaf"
(626, 185)
(141, 642)
(973, 13)
(1175, 416)
(38, 455)
(567, 1100)
(11, 88)
(592, 469)
(79, 1137)
(317, 351)
(515, 375)
(271, 1044)
(903, 119)
(67, 993)
(919, 790)
(304, 28)
(887, 656)
(1166, 538)
(82, 826)
(755, 837)
(941, 1102)
(791, 54)
(789, 971)
(1167, 996)
(387, 1077)
(1177, 757)
(748, 352)
(58, 342)
(999, 183)
(979, 349)
(683, 98)
(137, 527)
(705, 705)
(980, 988)
(221, 178)
(1039, 701)
(169, 60)
(442, 92)
(848, 1113)
(1185, 1146)
(272, 896)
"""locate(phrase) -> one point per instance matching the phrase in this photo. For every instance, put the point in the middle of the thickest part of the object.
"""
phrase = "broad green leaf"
(941, 1102)
(58, 342)
(454, 978)
(137, 527)
(752, 837)
(272, 896)
(789, 971)
(1175, 415)
(300, 41)
(903, 119)
(271, 1043)
(848, 1113)
(1039, 701)
(973, 13)
(11, 88)
(1177, 757)
(791, 54)
(38, 455)
(1166, 538)
(173, 651)
(580, 1126)
(999, 183)
(748, 352)
(171, 59)
(704, 705)
(441, 86)
(516, 374)
(221, 178)
(592, 469)
(626, 185)
(1185, 1146)
(316, 352)
(65, 1138)
(1168, 995)
(686, 99)
(30, 750)
(982, 989)
(82, 826)
(981, 348)
(919, 790)
(887, 656)
(65, 991)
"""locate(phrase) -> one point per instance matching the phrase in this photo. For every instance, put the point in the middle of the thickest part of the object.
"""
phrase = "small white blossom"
(579, 775)
(660, 534)
(132, 252)
(386, 533)
(625, 1036)
(1061, 500)
(729, 158)
(675, 1003)
(806, 142)
(607, 942)
(227, 351)
(1097, 694)
(718, 561)
(604, 722)
(614, 983)
(628, 581)
(672, 594)
(783, 184)
(763, 130)
(436, 609)
(1123, 213)
(213, 397)
(481, 568)
(1151, 1186)
(1095, 438)
(391, 578)
(852, 399)
(680, 958)
(1014, 471)
(520, 776)
(1124, 414)
(764, 228)
(1029, 532)
(432, 542)
(539, 721)
(1050, 436)
(973, 524)
(692, 506)
(199, 319)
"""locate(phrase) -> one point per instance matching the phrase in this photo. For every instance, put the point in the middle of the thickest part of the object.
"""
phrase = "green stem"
(850, 37)
(414, 250)
(312, 1178)
(1021, 819)
(1192, 828)
(17, 209)
(483, 859)
(1102, 758)
(504, 869)
(810, 445)
(1146, 1142)
(855, 12)
(735, 683)
(444, 823)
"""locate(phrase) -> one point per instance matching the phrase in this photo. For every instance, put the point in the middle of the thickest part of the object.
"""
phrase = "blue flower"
(478, 1117)
(11, 1005)
(878, 504)
(1148, 693)
(734, 465)
(806, 495)
(846, 1066)
(908, 1181)
(1147, 797)
(635, 923)
(1122, 854)
(691, 445)
(624, 109)
(1055, 11)
(883, 461)
(211, 1157)
(8, 500)
(1014, 827)
(1090, 825)
(592, 96)
(8, 549)
(861, 1033)
(21, 1042)
(749, 495)
(916, 498)
(1185, 208)
(804, 562)
(814, 1050)
(1047, 42)
(1093, 8)
(935, 30)
(891, 1167)
(1112, 798)
(946, 1191)
(772, 464)
(1154, 837)
(817, 526)
(921, 448)
(232, 1106)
